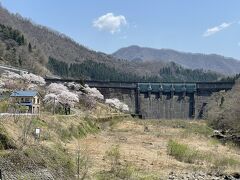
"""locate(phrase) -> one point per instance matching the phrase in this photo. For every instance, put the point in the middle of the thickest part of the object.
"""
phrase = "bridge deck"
(155, 86)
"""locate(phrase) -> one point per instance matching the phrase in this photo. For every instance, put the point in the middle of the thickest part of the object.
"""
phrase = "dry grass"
(143, 145)
(147, 151)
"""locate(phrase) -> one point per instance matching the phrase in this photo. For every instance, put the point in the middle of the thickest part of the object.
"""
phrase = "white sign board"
(37, 130)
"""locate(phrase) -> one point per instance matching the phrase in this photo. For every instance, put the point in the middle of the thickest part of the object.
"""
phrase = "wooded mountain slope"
(211, 62)
(17, 51)
(66, 58)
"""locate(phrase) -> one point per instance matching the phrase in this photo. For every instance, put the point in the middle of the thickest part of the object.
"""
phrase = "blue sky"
(106, 25)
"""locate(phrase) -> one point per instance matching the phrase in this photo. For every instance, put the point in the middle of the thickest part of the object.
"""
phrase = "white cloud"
(216, 29)
(110, 23)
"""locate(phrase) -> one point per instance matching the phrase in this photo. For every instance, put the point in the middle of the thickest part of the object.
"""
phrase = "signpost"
(37, 133)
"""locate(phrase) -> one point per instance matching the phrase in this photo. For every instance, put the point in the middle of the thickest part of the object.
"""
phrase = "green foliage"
(7, 32)
(113, 155)
(182, 152)
(5, 141)
(4, 106)
(76, 131)
(29, 47)
(37, 122)
(56, 159)
(15, 51)
(83, 164)
(57, 67)
(231, 78)
(124, 172)
(226, 161)
(189, 127)
(117, 170)
(23, 109)
(202, 129)
(89, 69)
(98, 71)
(174, 72)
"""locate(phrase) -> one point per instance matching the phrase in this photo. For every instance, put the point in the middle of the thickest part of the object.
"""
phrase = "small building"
(29, 99)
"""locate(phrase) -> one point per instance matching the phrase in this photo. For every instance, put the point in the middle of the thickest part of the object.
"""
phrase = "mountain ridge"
(213, 62)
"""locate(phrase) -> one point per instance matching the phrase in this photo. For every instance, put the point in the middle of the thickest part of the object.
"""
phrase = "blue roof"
(24, 93)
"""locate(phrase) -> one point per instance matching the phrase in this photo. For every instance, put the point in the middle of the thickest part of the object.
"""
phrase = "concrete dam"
(160, 100)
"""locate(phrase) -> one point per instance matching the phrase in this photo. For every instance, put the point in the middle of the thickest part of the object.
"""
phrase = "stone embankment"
(203, 176)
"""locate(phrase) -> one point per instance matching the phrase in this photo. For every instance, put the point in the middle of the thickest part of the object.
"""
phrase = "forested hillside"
(43, 49)
(211, 62)
(53, 43)
(99, 71)
(17, 51)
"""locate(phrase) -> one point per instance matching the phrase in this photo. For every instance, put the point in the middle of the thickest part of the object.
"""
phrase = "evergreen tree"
(29, 47)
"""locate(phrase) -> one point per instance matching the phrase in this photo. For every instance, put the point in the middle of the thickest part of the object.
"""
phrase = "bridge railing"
(216, 85)
(190, 86)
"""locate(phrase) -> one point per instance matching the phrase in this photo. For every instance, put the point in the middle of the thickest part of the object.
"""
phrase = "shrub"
(200, 129)
(182, 152)
(6, 143)
(83, 164)
(113, 155)
(223, 110)
(189, 127)
(225, 161)
(4, 106)
(77, 130)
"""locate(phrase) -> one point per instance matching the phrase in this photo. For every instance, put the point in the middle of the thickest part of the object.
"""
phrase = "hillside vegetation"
(118, 148)
(224, 112)
(99, 71)
(99, 140)
(47, 50)
(213, 62)
(16, 50)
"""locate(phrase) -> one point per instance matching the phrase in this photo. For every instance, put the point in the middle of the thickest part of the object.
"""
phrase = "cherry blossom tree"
(11, 75)
(27, 77)
(50, 99)
(60, 95)
(67, 98)
(93, 92)
(116, 103)
(56, 88)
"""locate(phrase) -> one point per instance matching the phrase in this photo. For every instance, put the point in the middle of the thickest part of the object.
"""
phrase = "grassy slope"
(48, 158)
(147, 152)
(143, 154)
